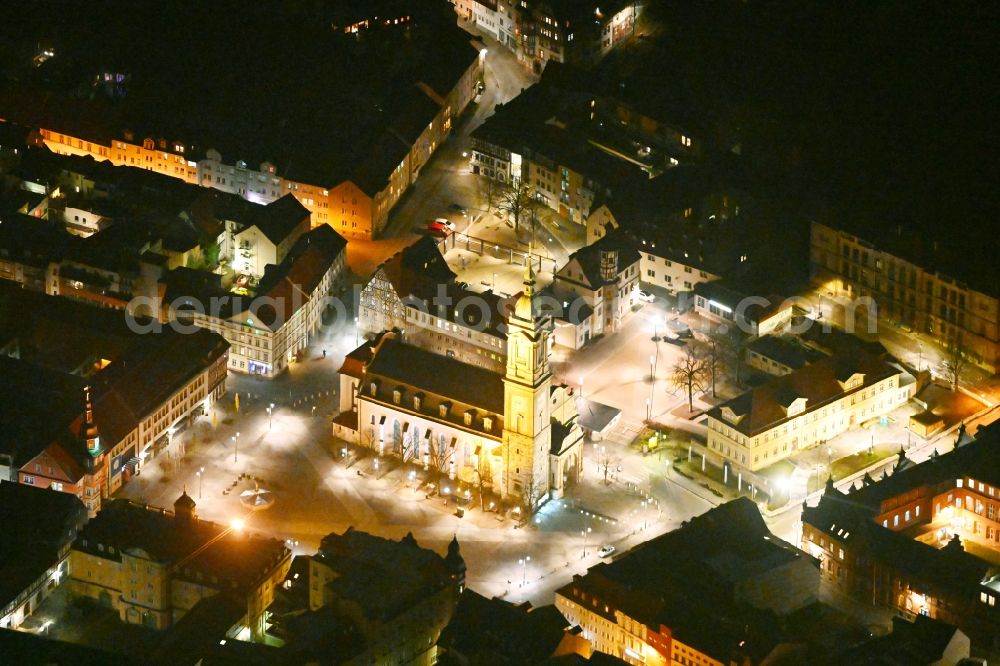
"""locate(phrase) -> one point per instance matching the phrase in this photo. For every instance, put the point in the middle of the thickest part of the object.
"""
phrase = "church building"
(513, 431)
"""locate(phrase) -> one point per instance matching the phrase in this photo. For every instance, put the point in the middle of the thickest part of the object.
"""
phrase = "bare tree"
(607, 463)
(955, 361)
(489, 192)
(532, 491)
(440, 455)
(724, 350)
(371, 436)
(691, 372)
(484, 477)
(517, 201)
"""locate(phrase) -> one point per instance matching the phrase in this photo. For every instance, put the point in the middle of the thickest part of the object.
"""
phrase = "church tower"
(526, 430)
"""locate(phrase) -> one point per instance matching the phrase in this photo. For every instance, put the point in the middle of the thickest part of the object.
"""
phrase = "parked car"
(440, 228)
(646, 297)
(458, 208)
(605, 550)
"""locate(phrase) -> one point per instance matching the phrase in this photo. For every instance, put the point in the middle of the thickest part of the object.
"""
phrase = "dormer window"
(373, 388)
(397, 396)
(487, 423)
(468, 417)
(416, 403)
(729, 415)
(148, 144)
(443, 409)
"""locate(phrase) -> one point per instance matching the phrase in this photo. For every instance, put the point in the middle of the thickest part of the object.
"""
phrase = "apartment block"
(915, 282)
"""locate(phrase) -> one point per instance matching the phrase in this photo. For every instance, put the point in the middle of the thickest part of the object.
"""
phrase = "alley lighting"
(524, 569)
(270, 413)
(201, 477)
(237, 524)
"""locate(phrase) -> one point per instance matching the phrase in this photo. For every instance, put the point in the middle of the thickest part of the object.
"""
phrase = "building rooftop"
(384, 578)
(197, 549)
(785, 350)
(819, 383)
(362, 76)
(441, 377)
(279, 218)
(482, 629)
(589, 258)
(54, 518)
(695, 596)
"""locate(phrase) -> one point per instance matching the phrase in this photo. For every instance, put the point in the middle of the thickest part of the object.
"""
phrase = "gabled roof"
(448, 378)
(279, 218)
(589, 258)
(417, 270)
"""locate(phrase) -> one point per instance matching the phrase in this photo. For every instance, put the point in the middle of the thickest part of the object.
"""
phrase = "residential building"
(752, 314)
(266, 237)
(153, 565)
(85, 412)
(543, 31)
(716, 603)
(919, 282)
(35, 563)
(376, 600)
(600, 281)
(349, 180)
(920, 641)
(803, 408)
(269, 328)
(921, 541)
(415, 293)
(779, 355)
(480, 631)
(515, 434)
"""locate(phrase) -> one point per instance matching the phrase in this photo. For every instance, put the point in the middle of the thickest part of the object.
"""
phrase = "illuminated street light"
(524, 569)
(236, 447)
(270, 412)
(201, 477)
(236, 524)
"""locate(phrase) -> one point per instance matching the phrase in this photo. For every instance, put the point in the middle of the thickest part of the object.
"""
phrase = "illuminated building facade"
(113, 398)
(35, 567)
(515, 433)
(803, 408)
(714, 604)
(540, 31)
(909, 288)
(357, 206)
(415, 292)
(924, 540)
(153, 565)
(268, 328)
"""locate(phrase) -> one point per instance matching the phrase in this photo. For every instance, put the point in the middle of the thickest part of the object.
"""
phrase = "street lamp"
(270, 412)
(920, 354)
(356, 343)
(494, 288)
(652, 367)
(524, 569)
(201, 478)
(586, 537)
(236, 447)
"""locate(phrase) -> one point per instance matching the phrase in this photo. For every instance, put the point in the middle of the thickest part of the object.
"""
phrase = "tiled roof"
(399, 363)
(764, 407)
(279, 218)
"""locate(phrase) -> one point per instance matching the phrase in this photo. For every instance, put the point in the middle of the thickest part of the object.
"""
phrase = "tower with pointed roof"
(89, 430)
(527, 381)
